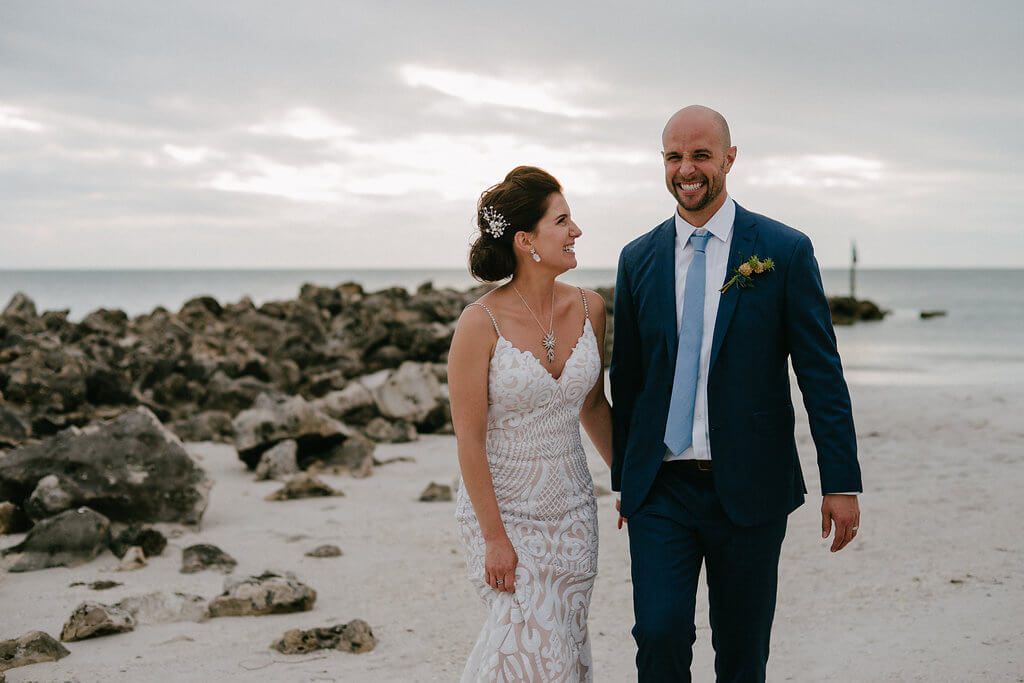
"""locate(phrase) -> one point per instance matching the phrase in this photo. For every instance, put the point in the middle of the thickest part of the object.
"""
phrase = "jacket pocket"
(775, 420)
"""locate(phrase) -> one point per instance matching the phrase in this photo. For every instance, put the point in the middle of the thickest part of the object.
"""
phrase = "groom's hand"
(618, 505)
(845, 512)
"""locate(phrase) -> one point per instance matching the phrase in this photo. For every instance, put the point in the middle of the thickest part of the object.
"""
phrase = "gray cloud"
(141, 134)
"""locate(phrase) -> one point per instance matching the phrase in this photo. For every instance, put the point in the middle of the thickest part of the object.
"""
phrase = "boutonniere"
(743, 276)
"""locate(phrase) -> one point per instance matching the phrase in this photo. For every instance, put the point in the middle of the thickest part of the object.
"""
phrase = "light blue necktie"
(679, 428)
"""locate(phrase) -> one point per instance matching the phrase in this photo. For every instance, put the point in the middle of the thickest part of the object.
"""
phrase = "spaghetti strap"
(586, 309)
(491, 315)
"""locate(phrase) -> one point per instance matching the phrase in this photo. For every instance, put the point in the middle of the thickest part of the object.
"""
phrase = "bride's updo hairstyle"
(521, 199)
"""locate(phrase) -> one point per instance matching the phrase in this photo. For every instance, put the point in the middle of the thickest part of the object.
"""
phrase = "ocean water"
(980, 341)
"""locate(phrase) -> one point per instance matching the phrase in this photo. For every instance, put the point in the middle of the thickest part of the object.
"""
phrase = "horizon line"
(128, 269)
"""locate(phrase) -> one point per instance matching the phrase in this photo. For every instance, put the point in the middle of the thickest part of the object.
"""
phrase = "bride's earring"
(534, 254)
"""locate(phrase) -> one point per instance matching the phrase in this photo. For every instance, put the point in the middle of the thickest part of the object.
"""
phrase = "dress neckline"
(526, 352)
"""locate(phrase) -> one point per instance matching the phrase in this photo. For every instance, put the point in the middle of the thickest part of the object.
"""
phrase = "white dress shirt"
(716, 263)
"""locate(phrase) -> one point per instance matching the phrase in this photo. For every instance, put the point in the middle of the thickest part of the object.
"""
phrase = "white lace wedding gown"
(546, 498)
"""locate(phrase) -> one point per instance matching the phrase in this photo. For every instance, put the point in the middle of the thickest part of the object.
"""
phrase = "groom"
(704, 452)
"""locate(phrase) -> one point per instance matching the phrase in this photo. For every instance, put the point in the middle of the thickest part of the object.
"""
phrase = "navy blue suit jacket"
(750, 414)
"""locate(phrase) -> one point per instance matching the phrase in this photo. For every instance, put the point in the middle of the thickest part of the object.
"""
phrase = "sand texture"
(932, 589)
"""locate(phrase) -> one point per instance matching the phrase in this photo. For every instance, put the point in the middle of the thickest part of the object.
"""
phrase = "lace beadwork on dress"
(546, 499)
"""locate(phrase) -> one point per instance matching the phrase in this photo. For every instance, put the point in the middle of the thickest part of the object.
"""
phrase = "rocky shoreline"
(200, 367)
(197, 369)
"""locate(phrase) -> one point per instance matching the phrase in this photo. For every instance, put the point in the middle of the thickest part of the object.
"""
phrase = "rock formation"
(130, 469)
(268, 593)
(355, 636)
(66, 540)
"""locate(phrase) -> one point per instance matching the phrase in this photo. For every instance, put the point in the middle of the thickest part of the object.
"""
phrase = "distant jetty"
(935, 313)
(847, 310)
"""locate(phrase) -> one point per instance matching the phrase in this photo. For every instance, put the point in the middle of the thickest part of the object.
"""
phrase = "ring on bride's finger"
(855, 528)
(500, 581)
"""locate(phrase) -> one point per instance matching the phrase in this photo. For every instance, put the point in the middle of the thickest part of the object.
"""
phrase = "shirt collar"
(720, 225)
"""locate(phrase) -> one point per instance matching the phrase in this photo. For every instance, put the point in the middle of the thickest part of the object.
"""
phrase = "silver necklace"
(549, 336)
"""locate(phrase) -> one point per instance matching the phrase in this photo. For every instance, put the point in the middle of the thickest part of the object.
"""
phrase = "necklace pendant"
(549, 344)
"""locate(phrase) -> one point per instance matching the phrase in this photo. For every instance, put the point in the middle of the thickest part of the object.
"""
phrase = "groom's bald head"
(698, 115)
(698, 154)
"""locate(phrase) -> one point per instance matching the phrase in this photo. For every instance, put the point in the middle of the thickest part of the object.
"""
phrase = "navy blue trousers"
(680, 525)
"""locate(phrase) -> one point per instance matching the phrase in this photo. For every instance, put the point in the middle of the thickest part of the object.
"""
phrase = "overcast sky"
(359, 134)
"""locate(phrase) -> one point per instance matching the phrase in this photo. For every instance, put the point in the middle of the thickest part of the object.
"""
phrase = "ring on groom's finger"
(500, 581)
(855, 528)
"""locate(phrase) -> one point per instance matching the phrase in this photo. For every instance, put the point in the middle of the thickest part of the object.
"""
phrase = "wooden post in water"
(853, 269)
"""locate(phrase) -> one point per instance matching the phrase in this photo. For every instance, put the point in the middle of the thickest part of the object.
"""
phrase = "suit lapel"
(744, 233)
(664, 284)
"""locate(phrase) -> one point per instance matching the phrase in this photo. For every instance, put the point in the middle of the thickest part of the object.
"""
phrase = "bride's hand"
(500, 565)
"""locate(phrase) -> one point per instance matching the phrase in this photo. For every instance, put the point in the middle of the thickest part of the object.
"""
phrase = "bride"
(524, 371)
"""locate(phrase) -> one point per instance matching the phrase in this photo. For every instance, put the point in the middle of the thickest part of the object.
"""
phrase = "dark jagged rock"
(353, 457)
(14, 428)
(20, 306)
(384, 431)
(151, 541)
(209, 425)
(133, 559)
(46, 377)
(92, 619)
(232, 395)
(355, 636)
(105, 386)
(325, 382)
(439, 419)
(279, 462)
(131, 469)
(847, 310)
(32, 648)
(97, 585)
(268, 593)
(325, 551)
(56, 321)
(937, 313)
(304, 485)
(52, 494)
(113, 323)
(204, 304)
(275, 419)
(436, 493)
(353, 405)
(196, 558)
(69, 539)
(13, 519)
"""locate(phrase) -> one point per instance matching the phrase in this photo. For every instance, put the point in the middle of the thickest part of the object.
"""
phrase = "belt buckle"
(703, 465)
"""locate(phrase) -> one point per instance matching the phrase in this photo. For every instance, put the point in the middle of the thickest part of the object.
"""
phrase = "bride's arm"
(596, 413)
(468, 363)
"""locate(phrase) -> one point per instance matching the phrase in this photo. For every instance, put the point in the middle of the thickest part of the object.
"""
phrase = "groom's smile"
(690, 187)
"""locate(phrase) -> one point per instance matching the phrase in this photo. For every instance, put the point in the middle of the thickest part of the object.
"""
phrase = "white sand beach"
(931, 590)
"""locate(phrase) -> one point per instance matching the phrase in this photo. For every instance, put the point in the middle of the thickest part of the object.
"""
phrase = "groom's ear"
(730, 157)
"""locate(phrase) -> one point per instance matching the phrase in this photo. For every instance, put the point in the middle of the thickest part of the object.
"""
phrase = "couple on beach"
(709, 308)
